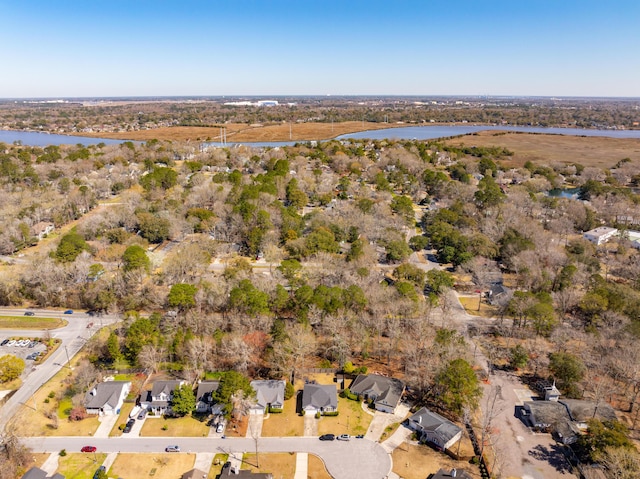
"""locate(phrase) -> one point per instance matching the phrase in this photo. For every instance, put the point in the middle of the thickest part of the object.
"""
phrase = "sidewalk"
(302, 462)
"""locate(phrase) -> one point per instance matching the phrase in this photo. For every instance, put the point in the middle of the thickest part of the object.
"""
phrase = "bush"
(165, 427)
(51, 395)
(63, 452)
(348, 367)
(318, 415)
(289, 391)
(275, 410)
(78, 414)
(331, 414)
(349, 395)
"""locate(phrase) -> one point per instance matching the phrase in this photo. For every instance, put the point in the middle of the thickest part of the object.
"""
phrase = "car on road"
(29, 313)
(142, 414)
(327, 437)
(360, 436)
(343, 437)
(98, 471)
(172, 449)
(129, 425)
(88, 449)
(69, 311)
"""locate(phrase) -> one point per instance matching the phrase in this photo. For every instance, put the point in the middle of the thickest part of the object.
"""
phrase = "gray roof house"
(384, 392)
(106, 398)
(550, 416)
(580, 411)
(204, 396)
(444, 474)
(269, 394)
(434, 429)
(319, 398)
(158, 400)
(37, 473)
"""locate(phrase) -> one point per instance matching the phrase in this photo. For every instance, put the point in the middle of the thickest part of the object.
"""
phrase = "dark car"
(129, 425)
(100, 469)
(360, 436)
(88, 449)
(29, 313)
(4, 342)
(327, 437)
(69, 311)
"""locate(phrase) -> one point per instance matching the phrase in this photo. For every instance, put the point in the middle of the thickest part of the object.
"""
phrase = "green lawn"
(175, 427)
(350, 420)
(286, 423)
(80, 466)
(30, 322)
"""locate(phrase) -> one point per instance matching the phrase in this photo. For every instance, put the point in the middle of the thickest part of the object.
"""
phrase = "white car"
(343, 437)
(12, 342)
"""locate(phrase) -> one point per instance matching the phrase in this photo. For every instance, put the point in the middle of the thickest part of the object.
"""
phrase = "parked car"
(69, 311)
(142, 414)
(88, 449)
(129, 425)
(343, 437)
(32, 356)
(32, 344)
(327, 437)
(360, 436)
(4, 342)
(220, 427)
(12, 342)
(29, 313)
(98, 471)
(172, 449)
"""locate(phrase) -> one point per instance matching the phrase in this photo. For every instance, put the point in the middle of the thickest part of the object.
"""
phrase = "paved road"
(73, 336)
(344, 460)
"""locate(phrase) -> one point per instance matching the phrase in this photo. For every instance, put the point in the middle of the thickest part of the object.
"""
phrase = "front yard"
(351, 419)
(286, 423)
(158, 466)
(417, 462)
(187, 426)
(280, 465)
(80, 466)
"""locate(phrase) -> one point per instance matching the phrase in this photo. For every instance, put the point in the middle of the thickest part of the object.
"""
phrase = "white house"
(106, 398)
(600, 235)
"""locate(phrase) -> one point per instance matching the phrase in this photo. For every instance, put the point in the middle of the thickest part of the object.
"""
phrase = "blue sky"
(68, 48)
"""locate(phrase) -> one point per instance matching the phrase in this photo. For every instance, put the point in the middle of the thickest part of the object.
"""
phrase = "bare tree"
(151, 356)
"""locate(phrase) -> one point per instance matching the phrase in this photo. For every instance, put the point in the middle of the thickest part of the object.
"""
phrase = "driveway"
(382, 419)
(310, 425)
(106, 425)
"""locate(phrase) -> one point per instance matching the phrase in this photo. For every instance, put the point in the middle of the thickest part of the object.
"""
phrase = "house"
(37, 473)
(443, 474)
(158, 400)
(106, 398)
(550, 416)
(319, 398)
(600, 235)
(580, 411)
(204, 396)
(499, 295)
(194, 474)
(231, 471)
(269, 395)
(384, 392)
(434, 429)
(42, 229)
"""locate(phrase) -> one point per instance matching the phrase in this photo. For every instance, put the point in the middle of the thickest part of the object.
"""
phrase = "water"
(443, 131)
(33, 138)
(570, 193)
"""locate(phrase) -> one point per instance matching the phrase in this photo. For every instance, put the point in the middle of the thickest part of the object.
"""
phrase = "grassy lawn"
(33, 421)
(316, 468)
(470, 304)
(286, 423)
(30, 322)
(216, 467)
(417, 462)
(80, 466)
(351, 420)
(122, 419)
(388, 431)
(160, 466)
(175, 427)
(280, 465)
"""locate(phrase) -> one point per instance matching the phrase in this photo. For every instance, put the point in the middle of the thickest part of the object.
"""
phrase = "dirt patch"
(601, 152)
(417, 462)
